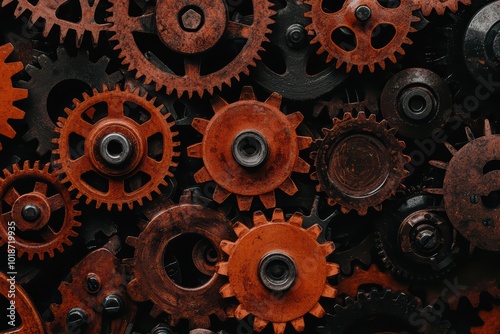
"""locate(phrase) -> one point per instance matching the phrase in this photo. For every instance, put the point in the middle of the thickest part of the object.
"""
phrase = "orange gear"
(277, 279)
(491, 321)
(362, 18)
(242, 146)
(190, 36)
(359, 163)
(9, 94)
(34, 210)
(440, 6)
(128, 147)
(49, 10)
(27, 314)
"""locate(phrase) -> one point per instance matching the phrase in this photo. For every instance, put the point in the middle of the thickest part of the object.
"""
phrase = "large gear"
(278, 280)
(55, 75)
(179, 28)
(242, 145)
(171, 291)
(359, 163)
(50, 11)
(128, 146)
(34, 208)
(360, 20)
(9, 94)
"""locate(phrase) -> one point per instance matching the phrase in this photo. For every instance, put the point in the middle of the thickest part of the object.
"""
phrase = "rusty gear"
(50, 11)
(472, 206)
(278, 280)
(129, 150)
(359, 163)
(191, 33)
(361, 18)
(33, 210)
(26, 311)
(95, 278)
(491, 320)
(8, 93)
(169, 289)
(440, 6)
(242, 145)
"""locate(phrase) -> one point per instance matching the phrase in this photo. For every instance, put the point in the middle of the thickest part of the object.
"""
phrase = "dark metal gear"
(384, 312)
(358, 21)
(472, 206)
(56, 77)
(128, 147)
(359, 163)
(177, 242)
(415, 239)
(36, 201)
(289, 39)
(177, 28)
(53, 13)
(8, 93)
(417, 102)
(242, 146)
(271, 278)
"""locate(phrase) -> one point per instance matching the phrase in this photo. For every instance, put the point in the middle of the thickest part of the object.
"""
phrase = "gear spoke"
(237, 30)
(11, 196)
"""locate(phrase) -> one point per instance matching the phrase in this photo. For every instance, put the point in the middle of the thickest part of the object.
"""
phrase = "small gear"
(128, 147)
(191, 29)
(50, 11)
(33, 197)
(9, 94)
(440, 6)
(359, 163)
(242, 146)
(278, 280)
(66, 71)
(183, 234)
(491, 321)
(360, 21)
(472, 206)
(25, 312)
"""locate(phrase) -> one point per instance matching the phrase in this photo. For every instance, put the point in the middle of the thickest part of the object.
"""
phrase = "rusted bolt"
(277, 272)
(191, 19)
(250, 149)
(76, 320)
(363, 13)
(112, 304)
(296, 35)
(474, 199)
(93, 283)
(115, 149)
(427, 239)
(31, 212)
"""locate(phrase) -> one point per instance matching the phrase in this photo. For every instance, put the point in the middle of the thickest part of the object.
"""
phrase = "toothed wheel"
(244, 143)
(440, 6)
(277, 280)
(359, 163)
(491, 321)
(8, 93)
(116, 148)
(191, 32)
(39, 207)
(353, 34)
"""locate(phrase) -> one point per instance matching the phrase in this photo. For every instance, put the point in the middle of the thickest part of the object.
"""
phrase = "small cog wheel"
(33, 198)
(51, 11)
(277, 280)
(188, 30)
(440, 6)
(116, 147)
(353, 34)
(491, 321)
(9, 94)
(242, 146)
(359, 163)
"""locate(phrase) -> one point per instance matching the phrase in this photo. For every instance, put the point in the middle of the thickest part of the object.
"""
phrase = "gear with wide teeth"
(440, 6)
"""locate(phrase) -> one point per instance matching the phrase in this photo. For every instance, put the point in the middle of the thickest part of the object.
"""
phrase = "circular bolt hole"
(277, 272)
(417, 103)
(250, 149)
(115, 149)
(296, 35)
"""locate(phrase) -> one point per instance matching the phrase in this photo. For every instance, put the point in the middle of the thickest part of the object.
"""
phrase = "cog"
(53, 75)
(472, 206)
(8, 93)
(34, 210)
(491, 321)
(178, 28)
(359, 163)
(440, 6)
(242, 146)
(50, 11)
(270, 276)
(361, 20)
(128, 147)
(169, 288)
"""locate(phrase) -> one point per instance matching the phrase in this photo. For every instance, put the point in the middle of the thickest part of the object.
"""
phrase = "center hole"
(277, 270)
(115, 148)
(191, 18)
(417, 104)
(250, 149)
